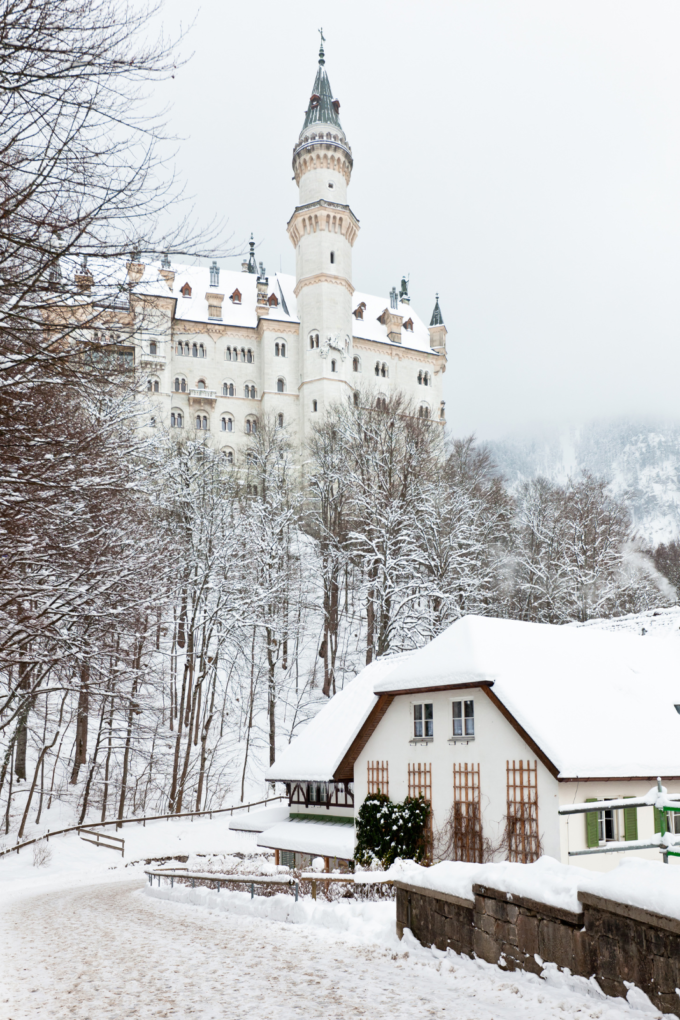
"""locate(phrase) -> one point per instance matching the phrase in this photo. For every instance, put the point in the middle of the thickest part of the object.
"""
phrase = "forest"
(168, 619)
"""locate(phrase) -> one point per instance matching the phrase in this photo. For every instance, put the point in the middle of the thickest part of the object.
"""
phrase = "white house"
(497, 723)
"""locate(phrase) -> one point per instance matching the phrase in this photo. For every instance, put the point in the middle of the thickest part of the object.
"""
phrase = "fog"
(520, 159)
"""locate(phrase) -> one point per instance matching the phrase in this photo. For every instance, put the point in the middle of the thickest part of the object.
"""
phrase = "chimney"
(135, 271)
(392, 323)
(214, 305)
(262, 292)
(167, 272)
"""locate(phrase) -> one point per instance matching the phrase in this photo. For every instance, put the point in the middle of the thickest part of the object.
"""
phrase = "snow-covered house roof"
(316, 754)
(597, 704)
(593, 704)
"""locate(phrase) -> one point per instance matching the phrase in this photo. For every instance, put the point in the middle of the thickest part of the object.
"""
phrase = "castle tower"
(323, 230)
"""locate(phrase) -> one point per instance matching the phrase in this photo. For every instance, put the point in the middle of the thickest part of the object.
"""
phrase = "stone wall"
(611, 941)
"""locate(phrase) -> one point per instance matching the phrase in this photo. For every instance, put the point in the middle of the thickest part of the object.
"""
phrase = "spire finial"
(322, 59)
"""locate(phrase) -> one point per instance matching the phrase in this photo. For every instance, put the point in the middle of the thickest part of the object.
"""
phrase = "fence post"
(313, 889)
(252, 890)
(150, 879)
(193, 883)
(172, 881)
(297, 889)
(218, 886)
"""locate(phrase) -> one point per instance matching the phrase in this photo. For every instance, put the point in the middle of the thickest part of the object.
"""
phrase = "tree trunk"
(93, 765)
(82, 719)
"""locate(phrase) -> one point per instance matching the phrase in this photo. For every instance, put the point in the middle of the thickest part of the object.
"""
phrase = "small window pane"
(429, 720)
(469, 718)
(417, 720)
(458, 718)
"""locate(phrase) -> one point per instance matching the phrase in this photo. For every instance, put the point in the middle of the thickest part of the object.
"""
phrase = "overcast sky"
(520, 158)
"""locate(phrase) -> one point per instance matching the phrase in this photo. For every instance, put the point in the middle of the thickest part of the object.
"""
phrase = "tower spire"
(322, 58)
(322, 108)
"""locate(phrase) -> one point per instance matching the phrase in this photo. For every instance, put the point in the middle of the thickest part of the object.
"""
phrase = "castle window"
(149, 385)
(194, 350)
(383, 370)
(249, 356)
(229, 454)
(314, 341)
(334, 366)
(356, 398)
(249, 392)
(331, 185)
(251, 490)
(243, 354)
(236, 297)
(227, 389)
(377, 368)
(186, 291)
(277, 351)
(423, 411)
(315, 405)
(180, 385)
(332, 257)
(200, 385)
(201, 351)
(227, 424)
(381, 404)
(176, 420)
(272, 301)
(355, 364)
(152, 347)
(251, 426)
(283, 350)
(442, 409)
(359, 310)
(227, 354)
(409, 325)
(279, 421)
(426, 379)
(156, 386)
(420, 378)
(280, 386)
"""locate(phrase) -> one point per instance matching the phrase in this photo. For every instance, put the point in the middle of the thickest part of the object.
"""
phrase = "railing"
(119, 822)
(198, 394)
(99, 840)
(220, 880)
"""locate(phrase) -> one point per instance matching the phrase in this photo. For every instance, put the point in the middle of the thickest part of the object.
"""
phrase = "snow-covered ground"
(85, 938)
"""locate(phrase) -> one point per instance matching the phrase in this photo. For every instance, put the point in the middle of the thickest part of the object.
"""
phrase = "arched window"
(156, 386)
(249, 356)
(279, 421)
(201, 351)
(315, 405)
(173, 420)
(334, 366)
(383, 370)
(277, 350)
(152, 347)
(251, 425)
(194, 350)
(420, 378)
(205, 421)
(200, 385)
(229, 454)
(149, 385)
(180, 385)
(377, 368)
(227, 353)
(280, 386)
(423, 411)
(381, 404)
(442, 410)
(426, 379)
(311, 343)
(355, 364)
(249, 391)
(227, 389)
(356, 398)
(227, 423)
(243, 354)
(198, 421)
(332, 258)
(283, 350)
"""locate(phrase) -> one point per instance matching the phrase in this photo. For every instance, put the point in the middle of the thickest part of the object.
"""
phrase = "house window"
(315, 405)
(423, 721)
(463, 718)
(279, 420)
(334, 366)
(606, 826)
(280, 385)
(152, 347)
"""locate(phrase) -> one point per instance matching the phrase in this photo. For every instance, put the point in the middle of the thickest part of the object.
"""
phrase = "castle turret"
(323, 230)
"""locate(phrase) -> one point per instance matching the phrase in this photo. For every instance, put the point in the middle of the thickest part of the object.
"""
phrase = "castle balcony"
(202, 398)
(152, 360)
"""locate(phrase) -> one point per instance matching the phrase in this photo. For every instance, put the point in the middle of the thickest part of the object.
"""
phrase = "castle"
(221, 350)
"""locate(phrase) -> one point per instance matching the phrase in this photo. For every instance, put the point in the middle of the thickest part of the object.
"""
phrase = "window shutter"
(630, 829)
(659, 821)
(592, 835)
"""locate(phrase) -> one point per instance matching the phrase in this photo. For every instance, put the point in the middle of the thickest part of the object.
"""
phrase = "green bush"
(387, 830)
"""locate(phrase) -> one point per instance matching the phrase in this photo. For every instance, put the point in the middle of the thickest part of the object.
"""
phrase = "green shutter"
(630, 821)
(659, 821)
(592, 834)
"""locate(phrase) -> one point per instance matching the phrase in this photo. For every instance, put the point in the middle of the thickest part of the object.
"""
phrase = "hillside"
(641, 460)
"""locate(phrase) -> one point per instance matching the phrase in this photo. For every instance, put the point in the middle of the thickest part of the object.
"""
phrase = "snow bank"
(323, 838)
(650, 885)
(259, 821)
(367, 921)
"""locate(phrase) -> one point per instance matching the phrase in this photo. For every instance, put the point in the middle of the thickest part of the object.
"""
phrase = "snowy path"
(108, 951)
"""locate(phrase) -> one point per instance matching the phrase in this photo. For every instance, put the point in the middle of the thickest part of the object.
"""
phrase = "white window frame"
(422, 719)
(467, 722)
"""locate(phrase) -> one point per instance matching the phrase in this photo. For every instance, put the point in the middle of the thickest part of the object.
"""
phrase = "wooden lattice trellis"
(379, 777)
(420, 781)
(522, 819)
(467, 815)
